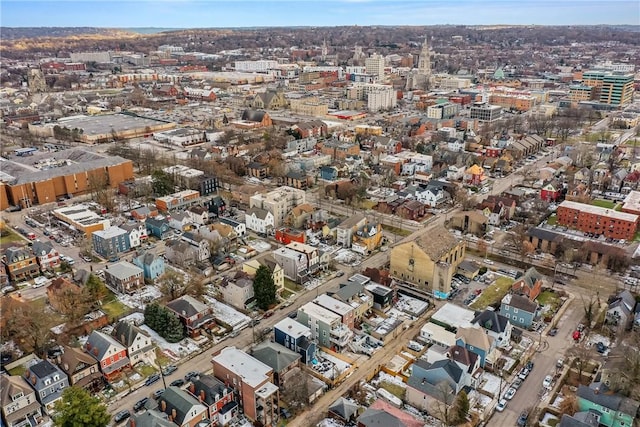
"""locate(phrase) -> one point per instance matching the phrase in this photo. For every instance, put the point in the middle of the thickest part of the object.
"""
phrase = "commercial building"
(254, 382)
(597, 220)
(81, 218)
(612, 88)
(40, 178)
(182, 137)
(378, 96)
(261, 66)
(278, 202)
(441, 111)
(485, 112)
(179, 200)
(429, 262)
(374, 65)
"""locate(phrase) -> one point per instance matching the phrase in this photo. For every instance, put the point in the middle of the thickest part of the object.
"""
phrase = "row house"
(259, 220)
(124, 277)
(199, 243)
(82, 369)
(312, 128)
(357, 296)
(183, 409)
(217, 397)
(18, 401)
(109, 353)
(193, 314)
(326, 327)
(296, 337)
(46, 255)
(342, 309)
(298, 260)
(138, 343)
(179, 252)
(47, 380)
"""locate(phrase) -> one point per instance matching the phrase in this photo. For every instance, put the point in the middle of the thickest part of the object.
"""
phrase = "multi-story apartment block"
(295, 336)
(580, 93)
(178, 200)
(279, 202)
(344, 310)
(254, 382)
(374, 65)
(110, 242)
(378, 97)
(124, 276)
(326, 326)
(594, 219)
(261, 66)
(442, 111)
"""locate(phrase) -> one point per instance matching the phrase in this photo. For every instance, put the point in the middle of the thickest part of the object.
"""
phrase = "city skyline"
(226, 14)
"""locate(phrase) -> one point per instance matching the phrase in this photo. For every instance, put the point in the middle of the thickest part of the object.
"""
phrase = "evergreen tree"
(78, 408)
(264, 288)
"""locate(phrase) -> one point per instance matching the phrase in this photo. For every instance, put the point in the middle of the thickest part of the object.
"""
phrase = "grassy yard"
(8, 236)
(115, 309)
(548, 298)
(291, 285)
(285, 294)
(553, 219)
(395, 230)
(603, 203)
(146, 370)
(394, 389)
(493, 293)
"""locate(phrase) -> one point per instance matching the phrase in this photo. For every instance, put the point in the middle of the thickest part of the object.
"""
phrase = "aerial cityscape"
(356, 213)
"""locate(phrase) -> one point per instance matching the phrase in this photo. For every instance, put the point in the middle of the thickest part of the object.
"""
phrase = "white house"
(455, 144)
(454, 173)
(430, 196)
(179, 220)
(239, 227)
(198, 215)
(199, 243)
(136, 232)
(259, 220)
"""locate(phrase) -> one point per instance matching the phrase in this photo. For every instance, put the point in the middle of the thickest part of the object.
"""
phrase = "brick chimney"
(192, 388)
(201, 395)
(163, 405)
(173, 413)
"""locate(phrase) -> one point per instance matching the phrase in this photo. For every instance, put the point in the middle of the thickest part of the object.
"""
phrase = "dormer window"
(47, 381)
(17, 396)
(56, 377)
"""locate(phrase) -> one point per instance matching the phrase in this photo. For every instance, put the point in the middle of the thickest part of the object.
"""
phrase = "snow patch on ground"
(383, 376)
(329, 422)
(341, 365)
(548, 417)
(559, 399)
(412, 306)
(228, 314)
(491, 384)
(141, 298)
(173, 350)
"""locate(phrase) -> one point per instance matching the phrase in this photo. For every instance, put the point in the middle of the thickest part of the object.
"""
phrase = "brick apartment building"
(594, 219)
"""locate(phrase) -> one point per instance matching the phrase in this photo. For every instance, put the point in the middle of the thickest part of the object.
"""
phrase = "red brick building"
(594, 219)
(288, 235)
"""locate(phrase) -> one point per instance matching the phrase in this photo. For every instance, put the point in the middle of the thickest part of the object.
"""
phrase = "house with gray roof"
(110, 242)
(182, 408)
(152, 265)
(580, 419)
(519, 310)
(259, 220)
(620, 312)
(139, 345)
(20, 264)
(18, 402)
(158, 228)
(344, 410)
(217, 397)
(46, 255)
(110, 354)
(124, 277)
(193, 314)
(296, 337)
(48, 381)
(614, 410)
(150, 418)
(81, 368)
(277, 357)
(433, 384)
(496, 325)
(181, 253)
(379, 418)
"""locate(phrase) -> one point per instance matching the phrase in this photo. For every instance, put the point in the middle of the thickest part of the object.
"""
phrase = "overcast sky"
(241, 13)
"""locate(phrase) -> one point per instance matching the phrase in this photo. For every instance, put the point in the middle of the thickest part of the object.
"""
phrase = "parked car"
(524, 373)
(510, 393)
(177, 383)
(169, 369)
(340, 273)
(529, 366)
(140, 404)
(501, 405)
(191, 375)
(553, 332)
(600, 347)
(548, 380)
(522, 419)
(152, 379)
(121, 416)
(517, 383)
(156, 394)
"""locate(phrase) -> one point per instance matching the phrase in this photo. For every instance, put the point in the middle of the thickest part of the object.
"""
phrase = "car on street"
(192, 375)
(529, 366)
(177, 383)
(340, 273)
(553, 332)
(156, 394)
(524, 373)
(522, 419)
(600, 347)
(488, 261)
(501, 405)
(546, 383)
(517, 383)
(121, 416)
(140, 404)
(169, 369)
(152, 379)
(510, 393)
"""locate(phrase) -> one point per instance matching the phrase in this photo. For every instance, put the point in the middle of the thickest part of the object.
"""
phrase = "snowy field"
(141, 298)
(260, 245)
(329, 422)
(175, 350)
(384, 377)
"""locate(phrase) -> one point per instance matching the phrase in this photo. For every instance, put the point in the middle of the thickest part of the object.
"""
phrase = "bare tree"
(296, 391)
(443, 404)
(569, 405)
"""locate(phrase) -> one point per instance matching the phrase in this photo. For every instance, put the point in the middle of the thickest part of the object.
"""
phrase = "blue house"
(110, 242)
(47, 380)
(476, 341)
(151, 264)
(295, 336)
(519, 310)
(328, 173)
(158, 228)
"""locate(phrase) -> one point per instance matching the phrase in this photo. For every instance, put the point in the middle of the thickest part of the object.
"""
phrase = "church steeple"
(424, 61)
(325, 50)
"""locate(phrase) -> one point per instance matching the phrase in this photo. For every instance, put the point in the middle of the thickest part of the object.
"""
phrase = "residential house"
(152, 265)
(110, 354)
(239, 228)
(139, 345)
(124, 277)
(495, 325)
(329, 173)
(326, 326)
(508, 205)
(551, 191)
(529, 285)
(238, 292)
(342, 309)
(46, 255)
(494, 215)
(621, 309)
(367, 238)
(412, 210)
(199, 243)
(469, 362)
(20, 264)
(18, 402)
(257, 170)
(254, 381)
(150, 418)
(279, 358)
(110, 242)
(431, 196)
(179, 252)
(82, 369)
(143, 212)
(286, 235)
(227, 234)
(198, 215)
(474, 175)
(426, 388)
(217, 396)
(47, 380)
(296, 180)
(381, 413)
(357, 296)
(582, 176)
(180, 221)
(193, 314)
(428, 262)
(60, 292)
(344, 410)
(298, 260)
(481, 344)
(296, 337)
(136, 232)
(259, 220)
(519, 310)
(613, 409)
(298, 216)
(182, 408)
(580, 419)
(347, 228)
(277, 273)
(158, 228)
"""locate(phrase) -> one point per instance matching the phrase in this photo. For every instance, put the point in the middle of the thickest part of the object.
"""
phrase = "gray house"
(47, 380)
(620, 312)
(519, 310)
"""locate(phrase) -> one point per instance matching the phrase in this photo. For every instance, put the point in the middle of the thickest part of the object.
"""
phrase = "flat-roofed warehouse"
(106, 127)
(45, 177)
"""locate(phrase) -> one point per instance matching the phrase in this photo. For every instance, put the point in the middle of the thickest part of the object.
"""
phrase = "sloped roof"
(520, 302)
(472, 337)
(436, 243)
(100, 341)
(253, 115)
(274, 355)
(379, 418)
(258, 212)
(491, 320)
(152, 418)
(181, 401)
(598, 393)
(344, 408)
(126, 332)
(187, 306)
(42, 248)
(210, 385)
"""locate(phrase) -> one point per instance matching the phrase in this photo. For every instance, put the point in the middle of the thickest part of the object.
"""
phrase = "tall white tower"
(424, 61)
(325, 50)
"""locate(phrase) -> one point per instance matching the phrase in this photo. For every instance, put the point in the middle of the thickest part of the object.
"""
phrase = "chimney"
(201, 395)
(192, 388)
(122, 338)
(132, 422)
(173, 413)
(163, 405)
